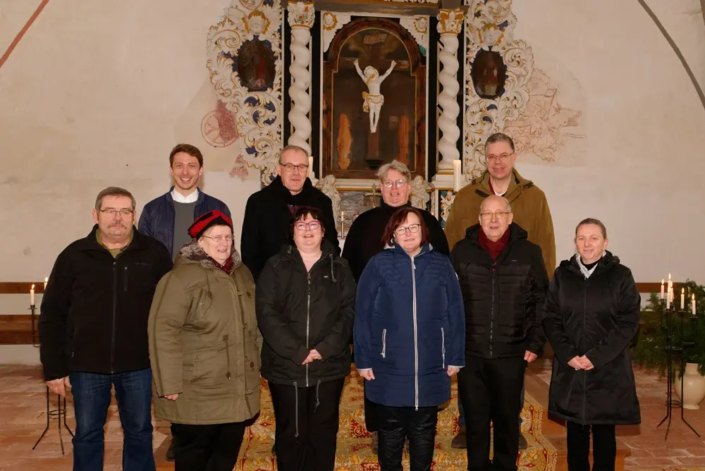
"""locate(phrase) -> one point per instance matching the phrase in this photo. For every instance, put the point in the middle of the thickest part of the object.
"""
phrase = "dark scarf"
(227, 267)
(494, 248)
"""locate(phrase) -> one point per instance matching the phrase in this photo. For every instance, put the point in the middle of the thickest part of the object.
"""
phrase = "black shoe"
(459, 441)
(274, 449)
(171, 452)
(523, 445)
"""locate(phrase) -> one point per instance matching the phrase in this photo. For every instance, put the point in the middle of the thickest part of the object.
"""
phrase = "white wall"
(643, 168)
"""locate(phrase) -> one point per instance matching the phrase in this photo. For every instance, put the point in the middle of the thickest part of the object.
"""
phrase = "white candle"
(311, 173)
(670, 283)
(456, 174)
(46, 280)
(682, 298)
(662, 289)
(692, 305)
(31, 296)
(668, 300)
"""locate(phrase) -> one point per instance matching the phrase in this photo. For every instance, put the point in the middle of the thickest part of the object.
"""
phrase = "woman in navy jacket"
(409, 338)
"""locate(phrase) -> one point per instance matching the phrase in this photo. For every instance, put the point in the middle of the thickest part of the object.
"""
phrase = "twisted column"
(301, 18)
(449, 25)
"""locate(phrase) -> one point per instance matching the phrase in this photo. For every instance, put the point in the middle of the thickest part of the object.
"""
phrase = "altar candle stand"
(673, 349)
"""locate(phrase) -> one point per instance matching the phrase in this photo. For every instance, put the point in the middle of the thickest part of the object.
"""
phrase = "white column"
(301, 18)
(449, 25)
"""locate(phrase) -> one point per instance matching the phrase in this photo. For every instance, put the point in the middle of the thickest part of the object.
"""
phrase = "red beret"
(211, 218)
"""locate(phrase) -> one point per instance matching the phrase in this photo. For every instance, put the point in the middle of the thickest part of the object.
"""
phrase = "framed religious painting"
(374, 100)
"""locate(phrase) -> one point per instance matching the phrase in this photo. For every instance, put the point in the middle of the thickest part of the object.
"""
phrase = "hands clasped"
(581, 363)
(312, 355)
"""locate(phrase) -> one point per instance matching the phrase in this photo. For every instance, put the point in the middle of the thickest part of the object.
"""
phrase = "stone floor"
(23, 417)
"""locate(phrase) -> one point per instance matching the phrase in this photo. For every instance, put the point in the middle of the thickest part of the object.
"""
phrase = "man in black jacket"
(364, 241)
(93, 330)
(503, 280)
(270, 211)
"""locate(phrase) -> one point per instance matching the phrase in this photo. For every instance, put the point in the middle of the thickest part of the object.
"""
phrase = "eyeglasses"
(397, 184)
(497, 215)
(401, 230)
(220, 238)
(499, 158)
(114, 212)
(311, 226)
(292, 168)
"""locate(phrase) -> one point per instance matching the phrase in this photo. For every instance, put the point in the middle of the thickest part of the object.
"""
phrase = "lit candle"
(342, 223)
(668, 300)
(46, 280)
(456, 175)
(682, 298)
(662, 288)
(692, 305)
(670, 283)
(31, 296)
(311, 173)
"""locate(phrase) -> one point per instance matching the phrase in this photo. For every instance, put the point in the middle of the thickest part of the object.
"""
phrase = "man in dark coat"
(364, 240)
(591, 316)
(93, 330)
(503, 280)
(269, 212)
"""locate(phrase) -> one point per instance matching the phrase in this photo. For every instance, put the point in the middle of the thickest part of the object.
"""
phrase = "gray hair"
(506, 202)
(594, 221)
(114, 191)
(394, 165)
(288, 148)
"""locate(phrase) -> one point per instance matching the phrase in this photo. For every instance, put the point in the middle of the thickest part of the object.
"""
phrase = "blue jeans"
(91, 397)
(461, 418)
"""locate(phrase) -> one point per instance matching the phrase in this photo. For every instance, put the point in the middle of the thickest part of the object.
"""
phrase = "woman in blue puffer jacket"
(409, 338)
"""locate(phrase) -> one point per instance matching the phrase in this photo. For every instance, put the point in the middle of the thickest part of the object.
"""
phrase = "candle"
(668, 300)
(46, 280)
(31, 296)
(342, 223)
(682, 298)
(456, 175)
(311, 173)
(662, 289)
(670, 283)
(692, 305)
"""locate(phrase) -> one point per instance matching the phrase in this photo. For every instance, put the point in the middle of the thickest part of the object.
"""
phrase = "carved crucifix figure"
(372, 98)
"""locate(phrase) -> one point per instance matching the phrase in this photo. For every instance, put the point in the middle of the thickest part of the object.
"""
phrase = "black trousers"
(306, 425)
(208, 447)
(371, 419)
(490, 391)
(398, 423)
(604, 447)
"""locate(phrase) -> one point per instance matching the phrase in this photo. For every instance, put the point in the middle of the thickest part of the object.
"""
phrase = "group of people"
(170, 313)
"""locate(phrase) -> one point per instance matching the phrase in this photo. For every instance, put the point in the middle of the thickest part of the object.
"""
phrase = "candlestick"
(456, 174)
(342, 224)
(682, 298)
(46, 280)
(662, 289)
(31, 296)
(692, 305)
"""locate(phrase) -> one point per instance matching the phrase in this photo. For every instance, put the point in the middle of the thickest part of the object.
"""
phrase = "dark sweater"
(364, 239)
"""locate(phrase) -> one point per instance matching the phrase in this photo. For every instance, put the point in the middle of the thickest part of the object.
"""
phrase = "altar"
(361, 83)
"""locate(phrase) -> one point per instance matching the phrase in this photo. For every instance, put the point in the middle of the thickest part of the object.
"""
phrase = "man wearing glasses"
(270, 211)
(530, 207)
(503, 281)
(364, 240)
(93, 330)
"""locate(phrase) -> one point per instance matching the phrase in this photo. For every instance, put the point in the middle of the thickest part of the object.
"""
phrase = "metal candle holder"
(33, 318)
(671, 349)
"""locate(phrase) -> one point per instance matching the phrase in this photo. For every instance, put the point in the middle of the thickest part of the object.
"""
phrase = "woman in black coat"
(591, 316)
(305, 311)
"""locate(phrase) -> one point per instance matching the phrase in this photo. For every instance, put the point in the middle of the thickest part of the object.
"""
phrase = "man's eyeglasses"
(311, 226)
(397, 184)
(499, 158)
(114, 212)
(497, 215)
(218, 239)
(295, 168)
(413, 228)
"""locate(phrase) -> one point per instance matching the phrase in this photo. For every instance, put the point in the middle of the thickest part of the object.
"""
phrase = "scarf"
(494, 248)
(227, 267)
(583, 269)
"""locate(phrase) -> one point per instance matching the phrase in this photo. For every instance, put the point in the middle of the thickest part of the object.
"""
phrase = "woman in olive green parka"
(205, 346)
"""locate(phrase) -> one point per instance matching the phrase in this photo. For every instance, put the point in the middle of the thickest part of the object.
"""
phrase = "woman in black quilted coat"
(591, 316)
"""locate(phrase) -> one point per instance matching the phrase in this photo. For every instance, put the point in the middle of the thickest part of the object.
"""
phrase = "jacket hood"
(605, 263)
(517, 185)
(194, 253)
(515, 233)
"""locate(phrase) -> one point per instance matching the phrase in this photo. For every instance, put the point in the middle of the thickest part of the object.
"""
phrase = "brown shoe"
(523, 445)
(375, 442)
(459, 441)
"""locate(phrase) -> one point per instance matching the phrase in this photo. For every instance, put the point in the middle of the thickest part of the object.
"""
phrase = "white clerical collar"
(179, 198)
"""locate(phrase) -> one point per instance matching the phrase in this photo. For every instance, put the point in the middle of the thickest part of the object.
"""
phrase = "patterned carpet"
(354, 450)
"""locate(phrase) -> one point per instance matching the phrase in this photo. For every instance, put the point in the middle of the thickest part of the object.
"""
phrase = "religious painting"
(255, 65)
(374, 100)
(488, 74)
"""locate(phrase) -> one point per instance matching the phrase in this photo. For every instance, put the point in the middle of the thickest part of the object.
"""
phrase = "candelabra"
(675, 348)
(58, 413)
